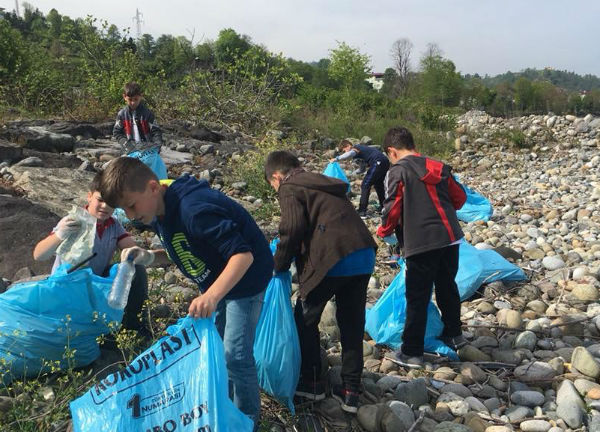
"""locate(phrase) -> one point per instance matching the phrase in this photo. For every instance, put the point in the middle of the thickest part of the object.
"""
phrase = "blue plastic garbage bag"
(333, 169)
(54, 322)
(385, 320)
(477, 207)
(179, 383)
(151, 157)
(276, 347)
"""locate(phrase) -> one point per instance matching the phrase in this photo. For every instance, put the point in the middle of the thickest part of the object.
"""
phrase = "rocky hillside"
(533, 361)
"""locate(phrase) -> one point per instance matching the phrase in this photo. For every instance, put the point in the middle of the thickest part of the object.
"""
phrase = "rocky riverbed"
(533, 359)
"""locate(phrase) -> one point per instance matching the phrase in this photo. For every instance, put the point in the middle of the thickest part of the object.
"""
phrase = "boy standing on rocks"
(215, 242)
(110, 235)
(137, 132)
(335, 256)
(420, 213)
(378, 167)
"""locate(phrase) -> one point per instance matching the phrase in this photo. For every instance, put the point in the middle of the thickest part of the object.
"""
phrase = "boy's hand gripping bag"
(333, 169)
(54, 322)
(276, 346)
(151, 157)
(178, 384)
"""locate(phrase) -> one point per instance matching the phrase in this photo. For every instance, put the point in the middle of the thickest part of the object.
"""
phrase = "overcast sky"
(479, 36)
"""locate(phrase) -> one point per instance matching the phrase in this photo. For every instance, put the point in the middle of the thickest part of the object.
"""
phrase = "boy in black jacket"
(420, 210)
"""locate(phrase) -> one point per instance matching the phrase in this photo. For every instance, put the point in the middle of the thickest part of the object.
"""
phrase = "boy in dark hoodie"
(215, 243)
(335, 256)
(420, 212)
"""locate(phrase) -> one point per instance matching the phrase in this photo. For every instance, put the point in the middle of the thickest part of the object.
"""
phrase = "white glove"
(391, 240)
(142, 256)
(66, 227)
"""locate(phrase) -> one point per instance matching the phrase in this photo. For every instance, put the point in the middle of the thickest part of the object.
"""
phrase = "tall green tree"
(440, 83)
(348, 66)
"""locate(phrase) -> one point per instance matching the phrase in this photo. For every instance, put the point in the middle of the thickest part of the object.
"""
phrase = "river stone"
(451, 427)
(470, 353)
(568, 393)
(584, 386)
(473, 372)
(475, 404)
(400, 418)
(535, 371)
(366, 416)
(571, 413)
(413, 393)
(553, 262)
(583, 361)
(517, 412)
(535, 426)
(586, 292)
(457, 389)
(388, 382)
(526, 339)
(527, 398)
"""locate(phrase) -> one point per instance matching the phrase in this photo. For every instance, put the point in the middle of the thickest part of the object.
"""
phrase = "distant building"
(376, 80)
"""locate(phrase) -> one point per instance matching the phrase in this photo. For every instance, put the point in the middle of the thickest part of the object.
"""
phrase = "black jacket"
(420, 205)
(123, 132)
(319, 226)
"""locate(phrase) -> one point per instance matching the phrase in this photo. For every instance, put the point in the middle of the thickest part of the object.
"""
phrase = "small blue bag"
(54, 322)
(276, 347)
(333, 169)
(477, 207)
(385, 320)
(179, 383)
(151, 157)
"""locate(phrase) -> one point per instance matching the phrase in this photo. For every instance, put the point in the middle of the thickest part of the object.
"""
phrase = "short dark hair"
(282, 161)
(399, 138)
(95, 183)
(345, 142)
(132, 89)
(124, 174)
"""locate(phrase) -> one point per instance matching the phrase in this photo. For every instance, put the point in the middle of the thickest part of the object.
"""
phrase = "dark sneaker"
(346, 397)
(313, 390)
(455, 342)
(411, 362)
(363, 215)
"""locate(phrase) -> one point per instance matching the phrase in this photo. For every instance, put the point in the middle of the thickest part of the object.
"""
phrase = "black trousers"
(437, 267)
(350, 298)
(375, 177)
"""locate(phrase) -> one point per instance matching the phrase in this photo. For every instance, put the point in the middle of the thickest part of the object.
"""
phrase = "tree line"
(54, 65)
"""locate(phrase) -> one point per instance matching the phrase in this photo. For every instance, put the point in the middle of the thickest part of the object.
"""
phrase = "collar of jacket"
(291, 174)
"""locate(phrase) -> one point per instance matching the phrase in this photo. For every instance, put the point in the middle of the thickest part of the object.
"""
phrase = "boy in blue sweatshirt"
(213, 241)
(378, 166)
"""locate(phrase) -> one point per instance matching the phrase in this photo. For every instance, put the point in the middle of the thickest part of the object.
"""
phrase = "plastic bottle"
(119, 292)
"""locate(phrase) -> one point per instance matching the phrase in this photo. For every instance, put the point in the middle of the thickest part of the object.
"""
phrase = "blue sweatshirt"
(202, 228)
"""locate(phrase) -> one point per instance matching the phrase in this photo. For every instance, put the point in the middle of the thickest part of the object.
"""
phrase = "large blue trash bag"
(477, 207)
(179, 383)
(385, 320)
(333, 169)
(276, 347)
(151, 157)
(54, 322)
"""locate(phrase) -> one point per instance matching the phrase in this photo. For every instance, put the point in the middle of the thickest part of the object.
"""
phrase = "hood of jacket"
(428, 170)
(318, 182)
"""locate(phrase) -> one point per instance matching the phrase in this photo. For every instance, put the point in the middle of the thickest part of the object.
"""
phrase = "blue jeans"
(236, 321)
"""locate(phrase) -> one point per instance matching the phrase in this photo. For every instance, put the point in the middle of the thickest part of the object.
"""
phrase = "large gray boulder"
(56, 189)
